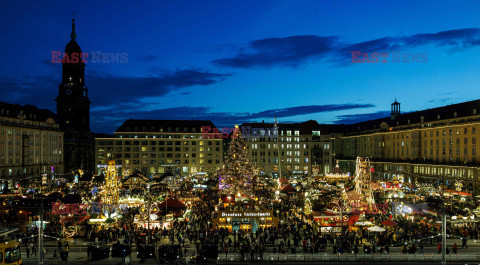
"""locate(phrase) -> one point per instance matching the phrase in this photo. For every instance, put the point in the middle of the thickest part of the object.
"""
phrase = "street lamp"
(444, 225)
(342, 207)
(148, 213)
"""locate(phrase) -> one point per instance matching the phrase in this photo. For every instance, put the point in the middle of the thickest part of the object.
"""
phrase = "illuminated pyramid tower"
(363, 180)
(111, 184)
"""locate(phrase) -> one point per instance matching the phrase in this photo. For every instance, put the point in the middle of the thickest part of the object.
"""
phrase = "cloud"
(108, 121)
(294, 51)
(289, 51)
(114, 89)
(355, 118)
(150, 58)
(107, 89)
(36, 90)
(442, 100)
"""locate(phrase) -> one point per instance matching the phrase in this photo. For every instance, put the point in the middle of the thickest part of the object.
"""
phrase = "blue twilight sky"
(240, 61)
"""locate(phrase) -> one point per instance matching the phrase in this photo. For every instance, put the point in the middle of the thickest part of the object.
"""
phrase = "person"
(129, 255)
(464, 242)
(124, 254)
(34, 250)
(89, 252)
(421, 248)
(66, 252)
(439, 248)
(28, 252)
(455, 248)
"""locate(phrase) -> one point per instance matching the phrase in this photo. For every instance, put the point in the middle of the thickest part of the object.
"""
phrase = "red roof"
(225, 198)
(283, 180)
(353, 195)
(172, 204)
(389, 223)
(289, 189)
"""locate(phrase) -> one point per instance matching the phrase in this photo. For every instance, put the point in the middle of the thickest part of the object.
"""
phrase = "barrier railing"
(319, 257)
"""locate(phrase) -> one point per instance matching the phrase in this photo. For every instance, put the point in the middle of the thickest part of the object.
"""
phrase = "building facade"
(31, 142)
(161, 146)
(420, 146)
(288, 148)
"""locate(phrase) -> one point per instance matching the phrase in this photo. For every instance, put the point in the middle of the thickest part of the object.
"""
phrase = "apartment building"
(161, 146)
(294, 148)
(31, 142)
(422, 145)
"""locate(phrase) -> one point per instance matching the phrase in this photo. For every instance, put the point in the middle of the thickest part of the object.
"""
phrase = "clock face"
(68, 91)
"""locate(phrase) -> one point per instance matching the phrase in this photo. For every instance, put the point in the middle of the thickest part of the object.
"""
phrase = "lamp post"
(40, 230)
(342, 207)
(148, 214)
(444, 225)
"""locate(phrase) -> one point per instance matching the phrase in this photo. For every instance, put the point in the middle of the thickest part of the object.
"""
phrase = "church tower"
(73, 104)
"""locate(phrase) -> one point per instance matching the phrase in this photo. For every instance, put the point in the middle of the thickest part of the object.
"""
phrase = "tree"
(237, 176)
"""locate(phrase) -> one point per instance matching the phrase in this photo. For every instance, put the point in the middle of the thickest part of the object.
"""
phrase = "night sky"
(242, 61)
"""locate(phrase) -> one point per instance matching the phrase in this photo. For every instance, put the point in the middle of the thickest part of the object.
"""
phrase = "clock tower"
(73, 112)
(73, 104)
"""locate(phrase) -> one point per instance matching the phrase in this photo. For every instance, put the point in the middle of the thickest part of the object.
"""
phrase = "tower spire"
(73, 35)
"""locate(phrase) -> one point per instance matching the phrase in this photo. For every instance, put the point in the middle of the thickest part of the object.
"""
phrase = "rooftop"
(174, 126)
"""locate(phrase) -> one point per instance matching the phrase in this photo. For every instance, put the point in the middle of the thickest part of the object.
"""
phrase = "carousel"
(337, 175)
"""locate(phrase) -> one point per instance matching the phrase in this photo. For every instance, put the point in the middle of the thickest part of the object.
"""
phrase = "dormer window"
(455, 114)
(438, 117)
(474, 111)
(422, 119)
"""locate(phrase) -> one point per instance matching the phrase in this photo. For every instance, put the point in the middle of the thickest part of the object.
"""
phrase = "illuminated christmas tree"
(237, 176)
